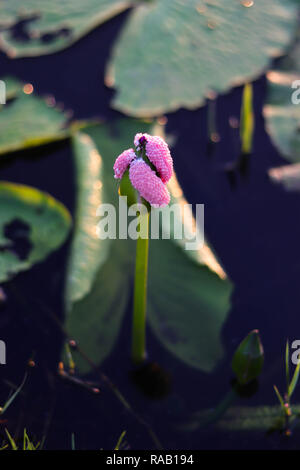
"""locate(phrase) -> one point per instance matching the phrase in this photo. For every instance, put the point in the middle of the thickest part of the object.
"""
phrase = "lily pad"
(186, 308)
(282, 116)
(51, 26)
(172, 53)
(29, 122)
(282, 109)
(32, 225)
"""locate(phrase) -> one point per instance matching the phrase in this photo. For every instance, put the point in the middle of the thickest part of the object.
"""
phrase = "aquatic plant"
(248, 359)
(121, 443)
(150, 166)
(26, 444)
(288, 419)
(12, 396)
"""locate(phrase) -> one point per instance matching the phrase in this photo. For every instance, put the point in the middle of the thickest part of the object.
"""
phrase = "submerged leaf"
(172, 53)
(256, 418)
(32, 225)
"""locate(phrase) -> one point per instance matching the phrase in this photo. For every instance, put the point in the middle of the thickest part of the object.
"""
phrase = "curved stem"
(140, 291)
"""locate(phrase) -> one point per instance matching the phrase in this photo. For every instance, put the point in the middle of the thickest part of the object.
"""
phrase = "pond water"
(252, 225)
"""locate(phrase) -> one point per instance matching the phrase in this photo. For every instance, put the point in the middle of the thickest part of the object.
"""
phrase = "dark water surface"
(253, 227)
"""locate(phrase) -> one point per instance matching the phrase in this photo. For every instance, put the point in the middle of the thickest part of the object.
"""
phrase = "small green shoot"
(13, 396)
(120, 441)
(27, 444)
(71, 362)
(285, 400)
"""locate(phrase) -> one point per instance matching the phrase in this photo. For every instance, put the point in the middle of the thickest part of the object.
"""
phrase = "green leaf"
(66, 22)
(48, 224)
(188, 297)
(281, 401)
(188, 304)
(86, 249)
(11, 399)
(172, 53)
(188, 293)
(95, 320)
(120, 441)
(11, 441)
(29, 122)
(281, 114)
(294, 381)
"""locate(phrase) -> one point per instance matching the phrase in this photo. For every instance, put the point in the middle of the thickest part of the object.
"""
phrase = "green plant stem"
(247, 120)
(140, 291)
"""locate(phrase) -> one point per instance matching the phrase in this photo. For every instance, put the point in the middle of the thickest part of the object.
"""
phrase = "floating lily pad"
(29, 122)
(282, 109)
(32, 225)
(282, 115)
(186, 308)
(172, 53)
(51, 26)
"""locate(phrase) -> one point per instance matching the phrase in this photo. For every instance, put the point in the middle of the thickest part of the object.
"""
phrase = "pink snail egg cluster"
(150, 184)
